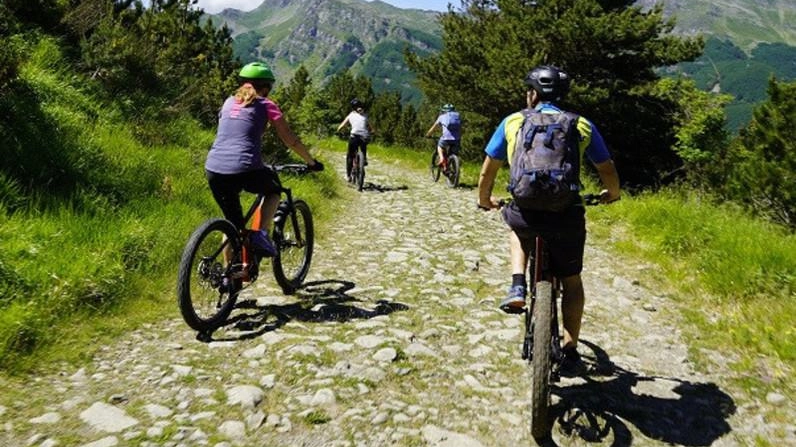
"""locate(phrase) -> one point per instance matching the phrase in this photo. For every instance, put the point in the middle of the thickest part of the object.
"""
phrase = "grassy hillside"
(93, 220)
(725, 67)
(734, 276)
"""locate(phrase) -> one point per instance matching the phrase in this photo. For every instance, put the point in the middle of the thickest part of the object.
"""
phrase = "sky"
(214, 6)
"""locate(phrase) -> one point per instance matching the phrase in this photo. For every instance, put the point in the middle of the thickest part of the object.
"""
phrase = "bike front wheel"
(542, 359)
(359, 179)
(435, 168)
(294, 237)
(206, 289)
(453, 171)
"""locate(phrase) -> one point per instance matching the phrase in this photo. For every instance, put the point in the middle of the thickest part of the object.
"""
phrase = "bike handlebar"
(594, 199)
(588, 200)
(292, 168)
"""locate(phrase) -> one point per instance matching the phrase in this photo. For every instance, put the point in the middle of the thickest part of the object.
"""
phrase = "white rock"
(268, 381)
(107, 418)
(369, 341)
(46, 418)
(255, 352)
(109, 441)
(233, 429)
(776, 399)
(385, 355)
(419, 349)
(182, 370)
(79, 376)
(157, 411)
(246, 395)
(255, 420)
(323, 397)
(438, 437)
(340, 347)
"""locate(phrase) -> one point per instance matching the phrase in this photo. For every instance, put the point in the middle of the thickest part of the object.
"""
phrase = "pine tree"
(761, 165)
(610, 48)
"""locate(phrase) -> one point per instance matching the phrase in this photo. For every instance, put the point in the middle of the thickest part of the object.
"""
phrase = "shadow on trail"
(666, 409)
(463, 185)
(368, 186)
(318, 301)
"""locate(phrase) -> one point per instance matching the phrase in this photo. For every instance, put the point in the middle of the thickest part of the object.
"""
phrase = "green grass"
(735, 276)
(89, 249)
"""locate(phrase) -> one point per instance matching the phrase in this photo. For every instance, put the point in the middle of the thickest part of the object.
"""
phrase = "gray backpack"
(545, 166)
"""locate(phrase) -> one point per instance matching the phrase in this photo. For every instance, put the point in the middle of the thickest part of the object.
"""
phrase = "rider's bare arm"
(292, 141)
(486, 182)
(610, 180)
(428, 134)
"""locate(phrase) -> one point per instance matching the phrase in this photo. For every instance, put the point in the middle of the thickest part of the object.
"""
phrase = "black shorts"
(226, 190)
(452, 146)
(563, 232)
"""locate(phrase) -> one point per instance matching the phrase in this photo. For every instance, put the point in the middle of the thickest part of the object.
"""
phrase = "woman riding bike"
(361, 131)
(235, 164)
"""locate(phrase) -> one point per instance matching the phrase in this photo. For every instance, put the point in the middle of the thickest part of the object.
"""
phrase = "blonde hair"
(246, 94)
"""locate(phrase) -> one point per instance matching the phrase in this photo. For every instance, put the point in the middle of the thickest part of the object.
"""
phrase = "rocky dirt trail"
(396, 340)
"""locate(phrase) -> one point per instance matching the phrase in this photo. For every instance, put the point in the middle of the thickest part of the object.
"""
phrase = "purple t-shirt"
(451, 126)
(236, 148)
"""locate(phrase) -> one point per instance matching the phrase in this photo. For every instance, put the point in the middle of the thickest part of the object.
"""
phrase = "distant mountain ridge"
(744, 22)
(327, 36)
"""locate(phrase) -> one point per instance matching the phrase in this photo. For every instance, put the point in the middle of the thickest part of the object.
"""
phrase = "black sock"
(518, 280)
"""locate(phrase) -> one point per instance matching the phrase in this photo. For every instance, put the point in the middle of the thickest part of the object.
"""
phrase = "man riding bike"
(450, 140)
(564, 231)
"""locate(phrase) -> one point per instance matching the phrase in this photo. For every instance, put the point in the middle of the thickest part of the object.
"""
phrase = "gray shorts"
(564, 233)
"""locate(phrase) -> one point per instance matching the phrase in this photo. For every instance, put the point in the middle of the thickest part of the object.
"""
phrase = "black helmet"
(447, 108)
(550, 83)
(356, 104)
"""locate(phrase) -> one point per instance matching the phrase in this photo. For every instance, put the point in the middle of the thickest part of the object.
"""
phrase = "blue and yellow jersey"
(501, 145)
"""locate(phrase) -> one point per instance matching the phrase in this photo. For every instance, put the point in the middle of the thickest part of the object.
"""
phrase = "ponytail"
(246, 94)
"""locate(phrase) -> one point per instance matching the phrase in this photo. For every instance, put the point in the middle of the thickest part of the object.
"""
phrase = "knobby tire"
(292, 261)
(542, 360)
(453, 171)
(204, 300)
(435, 169)
(360, 175)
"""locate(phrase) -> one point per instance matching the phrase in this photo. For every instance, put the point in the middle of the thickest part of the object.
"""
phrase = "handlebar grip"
(294, 168)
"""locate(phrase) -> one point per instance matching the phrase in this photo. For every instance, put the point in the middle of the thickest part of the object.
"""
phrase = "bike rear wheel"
(360, 176)
(542, 359)
(206, 291)
(294, 241)
(453, 171)
(435, 168)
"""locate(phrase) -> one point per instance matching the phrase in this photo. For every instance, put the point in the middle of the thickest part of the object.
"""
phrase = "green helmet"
(257, 70)
(447, 108)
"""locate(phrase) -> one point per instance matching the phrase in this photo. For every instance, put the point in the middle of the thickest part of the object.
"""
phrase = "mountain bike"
(450, 166)
(357, 176)
(542, 341)
(217, 262)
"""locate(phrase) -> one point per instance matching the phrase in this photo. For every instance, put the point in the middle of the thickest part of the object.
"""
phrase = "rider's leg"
(364, 146)
(572, 309)
(349, 158)
(268, 210)
(518, 256)
(440, 156)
